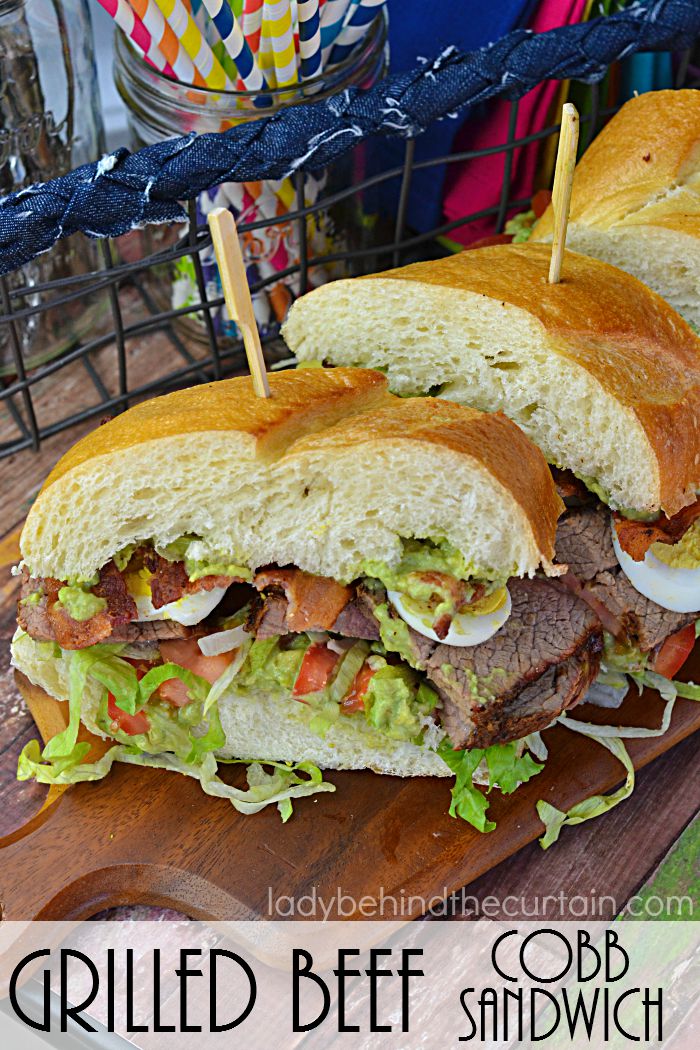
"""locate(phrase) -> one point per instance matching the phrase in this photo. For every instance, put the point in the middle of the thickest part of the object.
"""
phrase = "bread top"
(217, 461)
(635, 345)
(490, 438)
(645, 162)
(301, 402)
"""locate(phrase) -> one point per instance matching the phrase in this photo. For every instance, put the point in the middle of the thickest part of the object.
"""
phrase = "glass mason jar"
(161, 108)
(51, 123)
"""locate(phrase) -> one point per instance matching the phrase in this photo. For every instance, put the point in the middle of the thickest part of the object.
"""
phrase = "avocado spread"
(682, 555)
(420, 556)
(396, 704)
(80, 604)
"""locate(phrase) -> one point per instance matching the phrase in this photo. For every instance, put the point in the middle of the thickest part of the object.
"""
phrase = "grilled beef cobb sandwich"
(636, 197)
(604, 377)
(333, 577)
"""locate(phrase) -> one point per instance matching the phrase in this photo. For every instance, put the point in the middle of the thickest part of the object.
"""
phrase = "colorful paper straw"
(190, 36)
(135, 30)
(332, 18)
(309, 38)
(236, 45)
(277, 26)
(355, 29)
(177, 58)
(252, 23)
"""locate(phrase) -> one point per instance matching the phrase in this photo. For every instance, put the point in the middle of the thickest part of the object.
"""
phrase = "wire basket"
(102, 375)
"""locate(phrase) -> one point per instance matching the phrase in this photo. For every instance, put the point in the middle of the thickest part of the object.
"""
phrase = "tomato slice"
(316, 668)
(187, 654)
(355, 700)
(131, 724)
(674, 652)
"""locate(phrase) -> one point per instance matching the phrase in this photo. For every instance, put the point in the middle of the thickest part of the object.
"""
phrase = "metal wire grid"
(219, 360)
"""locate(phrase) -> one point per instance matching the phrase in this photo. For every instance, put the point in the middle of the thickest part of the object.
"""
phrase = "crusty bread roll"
(636, 196)
(259, 725)
(330, 471)
(597, 370)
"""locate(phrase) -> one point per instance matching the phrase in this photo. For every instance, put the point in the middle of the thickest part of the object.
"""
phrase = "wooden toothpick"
(234, 282)
(561, 191)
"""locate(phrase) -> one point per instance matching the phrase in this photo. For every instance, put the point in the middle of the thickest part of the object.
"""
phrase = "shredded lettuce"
(555, 819)
(506, 770)
(349, 667)
(284, 783)
(612, 738)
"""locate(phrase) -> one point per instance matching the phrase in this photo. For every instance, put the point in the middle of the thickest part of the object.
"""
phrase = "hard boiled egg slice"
(671, 588)
(465, 629)
(188, 610)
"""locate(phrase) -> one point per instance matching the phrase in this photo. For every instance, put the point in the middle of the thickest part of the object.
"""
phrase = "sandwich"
(636, 197)
(331, 578)
(601, 374)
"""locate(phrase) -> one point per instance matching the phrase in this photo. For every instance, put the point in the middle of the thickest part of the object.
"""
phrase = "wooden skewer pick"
(234, 281)
(561, 191)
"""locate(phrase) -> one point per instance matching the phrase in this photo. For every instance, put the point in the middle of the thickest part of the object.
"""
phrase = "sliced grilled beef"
(584, 542)
(154, 631)
(642, 622)
(357, 621)
(539, 663)
(636, 537)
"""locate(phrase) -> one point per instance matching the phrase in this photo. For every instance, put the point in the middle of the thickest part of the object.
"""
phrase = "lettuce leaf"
(506, 770)
(82, 662)
(197, 687)
(467, 801)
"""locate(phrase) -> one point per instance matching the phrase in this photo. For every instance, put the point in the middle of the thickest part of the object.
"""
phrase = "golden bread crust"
(491, 439)
(301, 402)
(329, 412)
(650, 147)
(635, 345)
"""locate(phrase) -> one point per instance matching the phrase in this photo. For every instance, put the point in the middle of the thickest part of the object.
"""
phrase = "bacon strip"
(315, 602)
(169, 580)
(636, 537)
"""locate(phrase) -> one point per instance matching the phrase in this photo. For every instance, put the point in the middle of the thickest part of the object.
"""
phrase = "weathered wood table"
(645, 854)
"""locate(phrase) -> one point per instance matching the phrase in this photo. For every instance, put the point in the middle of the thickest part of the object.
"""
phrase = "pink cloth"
(476, 184)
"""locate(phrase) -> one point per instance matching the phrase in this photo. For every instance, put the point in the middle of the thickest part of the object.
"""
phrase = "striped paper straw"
(189, 34)
(309, 38)
(236, 45)
(252, 23)
(357, 25)
(176, 56)
(332, 18)
(277, 26)
(132, 26)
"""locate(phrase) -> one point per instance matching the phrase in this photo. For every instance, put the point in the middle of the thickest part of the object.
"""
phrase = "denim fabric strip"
(125, 190)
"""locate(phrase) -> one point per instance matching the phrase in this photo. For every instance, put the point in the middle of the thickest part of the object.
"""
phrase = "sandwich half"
(635, 200)
(331, 578)
(603, 376)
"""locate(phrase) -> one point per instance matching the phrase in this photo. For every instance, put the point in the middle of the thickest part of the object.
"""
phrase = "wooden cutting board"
(153, 837)
(149, 836)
